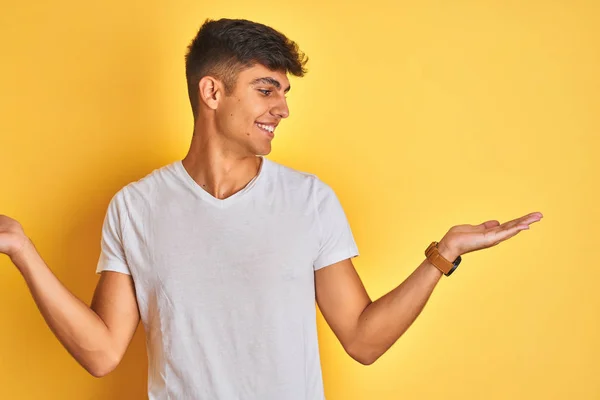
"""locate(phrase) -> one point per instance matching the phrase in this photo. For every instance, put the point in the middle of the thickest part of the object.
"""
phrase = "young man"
(223, 253)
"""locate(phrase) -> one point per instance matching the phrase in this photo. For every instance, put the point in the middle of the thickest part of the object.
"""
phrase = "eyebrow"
(269, 81)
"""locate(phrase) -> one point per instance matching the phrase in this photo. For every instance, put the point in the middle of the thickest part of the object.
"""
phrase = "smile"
(268, 129)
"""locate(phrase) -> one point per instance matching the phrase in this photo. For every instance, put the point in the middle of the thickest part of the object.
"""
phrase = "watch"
(434, 257)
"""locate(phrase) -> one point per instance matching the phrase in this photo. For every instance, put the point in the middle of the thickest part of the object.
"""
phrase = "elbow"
(363, 356)
(366, 359)
(103, 366)
(100, 371)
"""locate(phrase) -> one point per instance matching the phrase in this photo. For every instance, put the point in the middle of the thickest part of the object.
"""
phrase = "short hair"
(225, 47)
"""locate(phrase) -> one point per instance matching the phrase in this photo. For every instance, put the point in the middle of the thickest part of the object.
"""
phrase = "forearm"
(386, 319)
(80, 330)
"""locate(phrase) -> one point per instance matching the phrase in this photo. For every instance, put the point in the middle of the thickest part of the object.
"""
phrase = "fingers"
(499, 233)
(525, 221)
(495, 237)
(531, 218)
(513, 231)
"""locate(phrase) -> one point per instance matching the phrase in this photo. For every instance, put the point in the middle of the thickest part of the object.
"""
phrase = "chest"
(215, 258)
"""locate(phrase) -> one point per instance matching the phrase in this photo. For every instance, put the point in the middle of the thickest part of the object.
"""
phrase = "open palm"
(462, 239)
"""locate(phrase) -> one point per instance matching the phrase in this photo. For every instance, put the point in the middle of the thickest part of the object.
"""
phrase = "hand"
(12, 237)
(462, 239)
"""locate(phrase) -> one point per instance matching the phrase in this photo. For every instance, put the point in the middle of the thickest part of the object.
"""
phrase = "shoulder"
(297, 179)
(145, 189)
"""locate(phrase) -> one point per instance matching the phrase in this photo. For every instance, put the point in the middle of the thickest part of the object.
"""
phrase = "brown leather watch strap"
(434, 257)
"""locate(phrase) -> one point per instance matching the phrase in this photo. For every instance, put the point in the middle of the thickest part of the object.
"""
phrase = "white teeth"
(266, 127)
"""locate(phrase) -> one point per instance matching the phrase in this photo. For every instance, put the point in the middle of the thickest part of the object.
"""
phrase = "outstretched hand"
(462, 239)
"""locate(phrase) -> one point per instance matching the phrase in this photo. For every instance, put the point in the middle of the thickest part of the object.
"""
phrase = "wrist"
(447, 251)
(24, 256)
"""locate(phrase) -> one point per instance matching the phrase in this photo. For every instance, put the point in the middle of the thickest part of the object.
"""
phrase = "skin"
(367, 329)
(222, 159)
(222, 155)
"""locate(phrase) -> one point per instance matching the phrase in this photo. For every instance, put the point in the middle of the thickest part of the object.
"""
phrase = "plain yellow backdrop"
(421, 115)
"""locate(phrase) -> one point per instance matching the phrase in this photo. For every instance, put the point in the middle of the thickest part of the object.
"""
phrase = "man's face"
(250, 115)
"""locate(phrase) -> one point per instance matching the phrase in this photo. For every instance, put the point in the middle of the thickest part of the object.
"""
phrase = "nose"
(281, 109)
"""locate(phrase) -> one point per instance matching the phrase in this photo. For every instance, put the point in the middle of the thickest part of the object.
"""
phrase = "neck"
(217, 169)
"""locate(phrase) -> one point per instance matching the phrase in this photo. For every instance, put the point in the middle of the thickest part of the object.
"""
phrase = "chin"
(263, 152)
(262, 149)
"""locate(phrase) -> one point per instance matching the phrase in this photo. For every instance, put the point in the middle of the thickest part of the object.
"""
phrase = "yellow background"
(421, 115)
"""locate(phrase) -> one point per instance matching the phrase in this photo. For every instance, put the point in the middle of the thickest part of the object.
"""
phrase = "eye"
(264, 91)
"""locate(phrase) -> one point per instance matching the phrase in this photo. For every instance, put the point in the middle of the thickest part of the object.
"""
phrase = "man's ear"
(210, 91)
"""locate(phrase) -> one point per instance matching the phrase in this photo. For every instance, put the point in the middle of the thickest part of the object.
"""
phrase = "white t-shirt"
(225, 288)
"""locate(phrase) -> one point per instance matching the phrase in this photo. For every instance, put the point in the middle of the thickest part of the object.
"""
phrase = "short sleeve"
(336, 242)
(112, 254)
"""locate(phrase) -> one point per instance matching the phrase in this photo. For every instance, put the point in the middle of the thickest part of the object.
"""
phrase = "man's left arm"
(367, 329)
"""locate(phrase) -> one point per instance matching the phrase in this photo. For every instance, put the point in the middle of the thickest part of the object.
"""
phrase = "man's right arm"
(96, 336)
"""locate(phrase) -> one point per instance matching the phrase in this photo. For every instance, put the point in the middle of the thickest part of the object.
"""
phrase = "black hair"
(225, 47)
